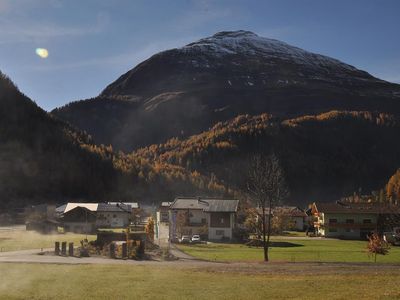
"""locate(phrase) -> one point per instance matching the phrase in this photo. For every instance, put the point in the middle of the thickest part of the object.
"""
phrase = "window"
(222, 221)
(114, 216)
(332, 220)
(349, 221)
(219, 232)
(367, 221)
(332, 229)
(203, 221)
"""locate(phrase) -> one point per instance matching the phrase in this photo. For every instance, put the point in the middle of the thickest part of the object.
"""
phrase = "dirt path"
(31, 256)
(179, 254)
(163, 231)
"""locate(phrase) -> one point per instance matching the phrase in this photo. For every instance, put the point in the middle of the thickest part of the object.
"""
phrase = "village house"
(211, 218)
(350, 220)
(40, 212)
(134, 205)
(294, 216)
(163, 212)
(113, 216)
(86, 217)
(136, 211)
(41, 218)
(79, 219)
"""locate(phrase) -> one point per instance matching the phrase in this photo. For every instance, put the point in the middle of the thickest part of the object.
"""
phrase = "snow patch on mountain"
(248, 43)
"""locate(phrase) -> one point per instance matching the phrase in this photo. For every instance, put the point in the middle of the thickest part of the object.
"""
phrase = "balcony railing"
(196, 224)
(346, 225)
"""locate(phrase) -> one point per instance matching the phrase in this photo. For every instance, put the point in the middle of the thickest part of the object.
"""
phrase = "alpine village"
(233, 167)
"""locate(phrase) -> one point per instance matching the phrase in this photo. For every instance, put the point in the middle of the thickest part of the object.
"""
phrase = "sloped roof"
(290, 211)
(61, 208)
(206, 204)
(132, 204)
(89, 206)
(94, 207)
(106, 207)
(355, 208)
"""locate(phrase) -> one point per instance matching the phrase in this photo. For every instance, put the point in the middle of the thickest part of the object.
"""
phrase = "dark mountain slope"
(325, 156)
(44, 160)
(41, 158)
(186, 90)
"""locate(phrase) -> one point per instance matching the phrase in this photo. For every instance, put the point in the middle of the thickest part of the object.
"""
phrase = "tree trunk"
(264, 233)
(269, 229)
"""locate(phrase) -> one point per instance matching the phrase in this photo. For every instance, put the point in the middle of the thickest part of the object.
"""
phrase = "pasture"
(292, 250)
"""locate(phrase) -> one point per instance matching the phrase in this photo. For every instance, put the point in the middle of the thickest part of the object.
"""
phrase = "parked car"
(196, 239)
(391, 238)
(174, 239)
(185, 239)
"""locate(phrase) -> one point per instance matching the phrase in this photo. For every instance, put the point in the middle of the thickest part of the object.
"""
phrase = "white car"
(185, 239)
(196, 238)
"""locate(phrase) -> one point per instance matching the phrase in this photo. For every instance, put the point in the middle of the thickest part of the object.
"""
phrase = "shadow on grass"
(284, 244)
(276, 244)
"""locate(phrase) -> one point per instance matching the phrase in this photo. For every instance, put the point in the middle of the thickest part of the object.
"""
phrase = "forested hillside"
(325, 156)
(42, 159)
(393, 186)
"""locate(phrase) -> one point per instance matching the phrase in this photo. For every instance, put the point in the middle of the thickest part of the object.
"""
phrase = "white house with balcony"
(350, 220)
(209, 217)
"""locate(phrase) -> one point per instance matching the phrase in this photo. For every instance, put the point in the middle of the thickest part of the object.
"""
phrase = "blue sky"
(92, 42)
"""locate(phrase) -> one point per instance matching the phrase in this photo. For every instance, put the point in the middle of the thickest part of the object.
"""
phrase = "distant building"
(134, 205)
(41, 218)
(40, 212)
(43, 226)
(71, 205)
(87, 217)
(350, 220)
(294, 216)
(113, 216)
(214, 218)
(163, 212)
(79, 219)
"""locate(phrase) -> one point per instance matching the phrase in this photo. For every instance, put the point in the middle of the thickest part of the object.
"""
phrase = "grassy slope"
(24, 240)
(301, 251)
(33, 281)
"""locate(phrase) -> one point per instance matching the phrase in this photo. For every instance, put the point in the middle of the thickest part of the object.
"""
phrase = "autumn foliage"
(377, 245)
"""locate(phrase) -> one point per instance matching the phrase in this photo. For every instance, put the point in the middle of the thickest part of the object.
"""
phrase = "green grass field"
(20, 239)
(292, 250)
(44, 281)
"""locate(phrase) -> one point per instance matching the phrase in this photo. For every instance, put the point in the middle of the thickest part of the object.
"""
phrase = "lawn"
(292, 250)
(17, 238)
(45, 281)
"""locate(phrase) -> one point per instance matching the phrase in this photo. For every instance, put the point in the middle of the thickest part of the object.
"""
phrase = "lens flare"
(42, 52)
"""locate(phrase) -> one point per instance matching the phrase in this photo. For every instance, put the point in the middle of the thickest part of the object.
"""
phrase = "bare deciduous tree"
(266, 186)
(377, 245)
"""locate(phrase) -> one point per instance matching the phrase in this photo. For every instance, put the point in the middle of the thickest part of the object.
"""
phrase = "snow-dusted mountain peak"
(236, 42)
(237, 33)
(188, 89)
(249, 44)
